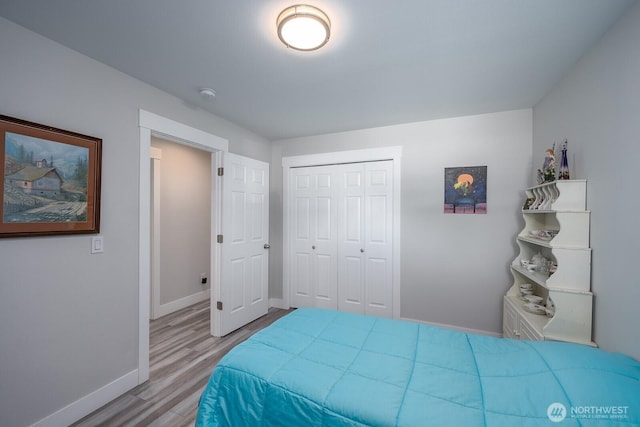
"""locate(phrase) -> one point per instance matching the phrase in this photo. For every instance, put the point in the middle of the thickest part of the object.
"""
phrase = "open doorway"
(243, 289)
(181, 204)
(152, 124)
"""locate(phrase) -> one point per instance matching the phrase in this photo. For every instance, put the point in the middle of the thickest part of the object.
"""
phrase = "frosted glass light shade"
(303, 27)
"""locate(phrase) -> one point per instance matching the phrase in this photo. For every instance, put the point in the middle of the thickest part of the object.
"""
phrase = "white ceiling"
(387, 62)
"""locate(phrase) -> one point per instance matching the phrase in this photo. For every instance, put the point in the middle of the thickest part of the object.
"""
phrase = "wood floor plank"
(182, 355)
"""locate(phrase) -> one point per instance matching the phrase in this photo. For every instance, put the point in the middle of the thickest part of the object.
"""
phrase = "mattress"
(318, 367)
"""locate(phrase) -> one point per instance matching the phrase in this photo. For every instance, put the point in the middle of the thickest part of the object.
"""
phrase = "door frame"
(341, 157)
(162, 127)
(156, 157)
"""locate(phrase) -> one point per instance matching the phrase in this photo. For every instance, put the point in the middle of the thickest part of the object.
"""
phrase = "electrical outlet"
(203, 278)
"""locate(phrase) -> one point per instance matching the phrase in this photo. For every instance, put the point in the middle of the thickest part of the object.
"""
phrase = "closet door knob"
(267, 246)
(313, 247)
(361, 250)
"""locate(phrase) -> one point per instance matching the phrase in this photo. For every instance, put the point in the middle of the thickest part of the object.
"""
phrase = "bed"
(318, 367)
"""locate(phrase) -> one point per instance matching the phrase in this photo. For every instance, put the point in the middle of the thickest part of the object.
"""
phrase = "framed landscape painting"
(51, 180)
(465, 190)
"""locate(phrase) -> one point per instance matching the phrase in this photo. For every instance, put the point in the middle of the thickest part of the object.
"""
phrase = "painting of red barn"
(465, 190)
(51, 180)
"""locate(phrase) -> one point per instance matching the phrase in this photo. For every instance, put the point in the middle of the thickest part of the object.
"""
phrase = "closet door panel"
(302, 219)
(378, 241)
(301, 236)
(377, 222)
(323, 220)
(302, 263)
(325, 273)
(350, 238)
(378, 297)
(351, 290)
(324, 281)
(314, 266)
(302, 294)
(342, 237)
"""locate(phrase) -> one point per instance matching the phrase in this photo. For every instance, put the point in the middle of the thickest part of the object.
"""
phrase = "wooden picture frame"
(51, 180)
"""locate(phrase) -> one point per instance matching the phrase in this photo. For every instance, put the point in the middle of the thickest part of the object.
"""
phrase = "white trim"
(151, 123)
(278, 303)
(156, 157)
(89, 403)
(455, 328)
(156, 153)
(181, 303)
(144, 254)
(216, 257)
(353, 156)
(178, 132)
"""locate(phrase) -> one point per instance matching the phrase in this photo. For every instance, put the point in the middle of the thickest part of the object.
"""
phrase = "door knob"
(267, 246)
(313, 247)
(361, 250)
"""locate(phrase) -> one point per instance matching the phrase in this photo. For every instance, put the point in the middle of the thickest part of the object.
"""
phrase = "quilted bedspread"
(319, 367)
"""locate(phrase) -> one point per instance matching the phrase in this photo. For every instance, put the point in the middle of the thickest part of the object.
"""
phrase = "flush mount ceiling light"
(303, 27)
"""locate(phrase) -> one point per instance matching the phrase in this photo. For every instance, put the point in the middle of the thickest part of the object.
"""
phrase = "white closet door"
(351, 241)
(301, 237)
(314, 234)
(365, 275)
(378, 234)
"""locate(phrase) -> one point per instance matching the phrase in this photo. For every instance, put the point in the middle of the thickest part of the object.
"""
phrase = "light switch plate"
(97, 244)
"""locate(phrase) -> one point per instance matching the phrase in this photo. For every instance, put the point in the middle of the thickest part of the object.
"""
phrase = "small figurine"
(548, 172)
(564, 164)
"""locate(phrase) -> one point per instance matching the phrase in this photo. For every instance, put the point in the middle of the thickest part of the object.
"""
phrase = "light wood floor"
(182, 355)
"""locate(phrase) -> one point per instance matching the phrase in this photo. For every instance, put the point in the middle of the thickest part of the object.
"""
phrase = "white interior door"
(243, 295)
(314, 234)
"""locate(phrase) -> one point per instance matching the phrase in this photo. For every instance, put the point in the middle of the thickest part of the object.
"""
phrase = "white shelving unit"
(560, 207)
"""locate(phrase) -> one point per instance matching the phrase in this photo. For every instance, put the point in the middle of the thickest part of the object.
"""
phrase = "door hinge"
(219, 238)
(220, 171)
(219, 305)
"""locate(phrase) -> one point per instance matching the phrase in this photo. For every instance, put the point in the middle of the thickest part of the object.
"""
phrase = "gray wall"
(454, 268)
(596, 106)
(69, 322)
(185, 218)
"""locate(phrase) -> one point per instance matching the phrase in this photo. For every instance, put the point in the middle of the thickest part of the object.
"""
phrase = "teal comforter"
(319, 367)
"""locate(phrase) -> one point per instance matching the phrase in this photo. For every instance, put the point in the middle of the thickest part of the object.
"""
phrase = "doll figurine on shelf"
(564, 164)
(548, 172)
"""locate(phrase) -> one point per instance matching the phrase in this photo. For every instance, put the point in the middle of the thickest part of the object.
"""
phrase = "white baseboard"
(89, 403)
(181, 303)
(456, 328)
(278, 303)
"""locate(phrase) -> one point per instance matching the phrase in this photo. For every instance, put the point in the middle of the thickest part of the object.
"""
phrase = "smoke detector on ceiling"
(208, 93)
